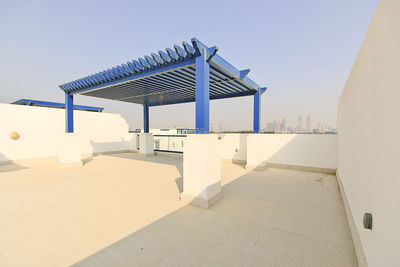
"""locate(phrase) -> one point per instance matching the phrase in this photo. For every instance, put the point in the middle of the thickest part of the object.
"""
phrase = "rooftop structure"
(187, 73)
(39, 103)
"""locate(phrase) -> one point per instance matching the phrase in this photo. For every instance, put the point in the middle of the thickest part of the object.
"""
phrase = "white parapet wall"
(369, 143)
(297, 151)
(41, 132)
(302, 151)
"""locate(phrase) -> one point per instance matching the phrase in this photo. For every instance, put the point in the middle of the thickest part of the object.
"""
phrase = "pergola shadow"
(249, 222)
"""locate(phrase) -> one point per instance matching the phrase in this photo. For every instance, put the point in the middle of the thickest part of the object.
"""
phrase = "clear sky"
(302, 50)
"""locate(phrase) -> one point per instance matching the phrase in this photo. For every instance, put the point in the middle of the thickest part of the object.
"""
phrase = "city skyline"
(305, 78)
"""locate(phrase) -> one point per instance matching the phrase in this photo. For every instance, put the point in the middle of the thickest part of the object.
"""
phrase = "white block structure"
(146, 144)
(70, 150)
(41, 132)
(202, 170)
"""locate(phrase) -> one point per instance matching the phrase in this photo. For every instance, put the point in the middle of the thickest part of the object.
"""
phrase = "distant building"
(284, 125)
(300, 124)
(277, 125)
(270, 127)
(308, 123)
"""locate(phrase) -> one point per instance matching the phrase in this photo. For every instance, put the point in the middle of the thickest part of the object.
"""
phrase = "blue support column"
(202, 94)
(69, 113)
(256, 118)
(145, 118)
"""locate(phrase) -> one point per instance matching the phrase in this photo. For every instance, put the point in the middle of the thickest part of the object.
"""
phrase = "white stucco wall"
(368, 137)
(306, 150)
(41, 130)
(234, 146)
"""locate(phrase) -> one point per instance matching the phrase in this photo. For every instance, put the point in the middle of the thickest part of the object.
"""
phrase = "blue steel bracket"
(243, 73)
(262, 90)
(222, 63)
(211, 52)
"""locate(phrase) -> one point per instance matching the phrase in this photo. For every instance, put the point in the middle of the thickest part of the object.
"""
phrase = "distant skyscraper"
(283, 126)
(300, 124)
(277, 125)
(308, 123)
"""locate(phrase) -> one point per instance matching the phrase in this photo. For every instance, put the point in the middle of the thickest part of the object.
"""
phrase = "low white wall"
(368, 140)
(304, 150)
(41, 130)
(234, 146)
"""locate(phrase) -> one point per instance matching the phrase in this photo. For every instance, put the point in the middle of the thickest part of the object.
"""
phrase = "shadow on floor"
(250, 226)
(8, 166)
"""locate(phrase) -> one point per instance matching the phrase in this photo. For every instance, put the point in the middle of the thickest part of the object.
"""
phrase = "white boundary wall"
(41, 131)
(368, 140)
(303, 150)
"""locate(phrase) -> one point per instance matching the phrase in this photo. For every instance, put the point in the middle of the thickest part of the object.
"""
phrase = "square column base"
(146, 144)
(202, 170)
(200, 201)
(70, 151)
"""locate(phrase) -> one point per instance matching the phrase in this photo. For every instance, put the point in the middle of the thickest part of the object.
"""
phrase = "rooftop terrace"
(124, 210)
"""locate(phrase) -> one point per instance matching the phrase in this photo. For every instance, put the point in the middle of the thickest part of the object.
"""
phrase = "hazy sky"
(302, 50)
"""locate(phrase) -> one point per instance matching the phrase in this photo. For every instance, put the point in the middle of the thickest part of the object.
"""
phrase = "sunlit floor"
(124, 210)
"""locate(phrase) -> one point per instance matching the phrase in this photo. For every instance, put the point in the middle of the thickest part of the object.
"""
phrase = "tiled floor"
(124, 210)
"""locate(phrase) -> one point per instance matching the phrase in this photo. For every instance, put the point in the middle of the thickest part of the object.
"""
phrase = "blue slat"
(127, 69)
(122, 70)
(157, 59)
(133, 67)
(167, 59)
(138, 65)
(172, 54)
(189, 49)
(151, 61)
(180, 51)
(145, 64)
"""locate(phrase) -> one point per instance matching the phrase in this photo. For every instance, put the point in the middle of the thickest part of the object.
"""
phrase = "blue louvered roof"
(166, 77)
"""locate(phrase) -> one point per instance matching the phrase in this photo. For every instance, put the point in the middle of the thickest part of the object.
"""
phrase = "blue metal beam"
(145, 118)
(256, 114)
(202, 94)
(39, 103)
(69, 113)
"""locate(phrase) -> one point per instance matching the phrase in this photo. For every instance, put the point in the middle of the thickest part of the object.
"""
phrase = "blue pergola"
(191, 73)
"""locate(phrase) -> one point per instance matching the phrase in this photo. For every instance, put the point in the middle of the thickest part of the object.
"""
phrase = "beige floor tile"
(124, 210)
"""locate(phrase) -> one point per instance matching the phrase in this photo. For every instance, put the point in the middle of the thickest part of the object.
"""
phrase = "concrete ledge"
(55, 158)
(108, 152)
(145, 155)
(362, 261)
(169, 154)
(302, 168)
(235, 161)
(201, 202)
(256, 168)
